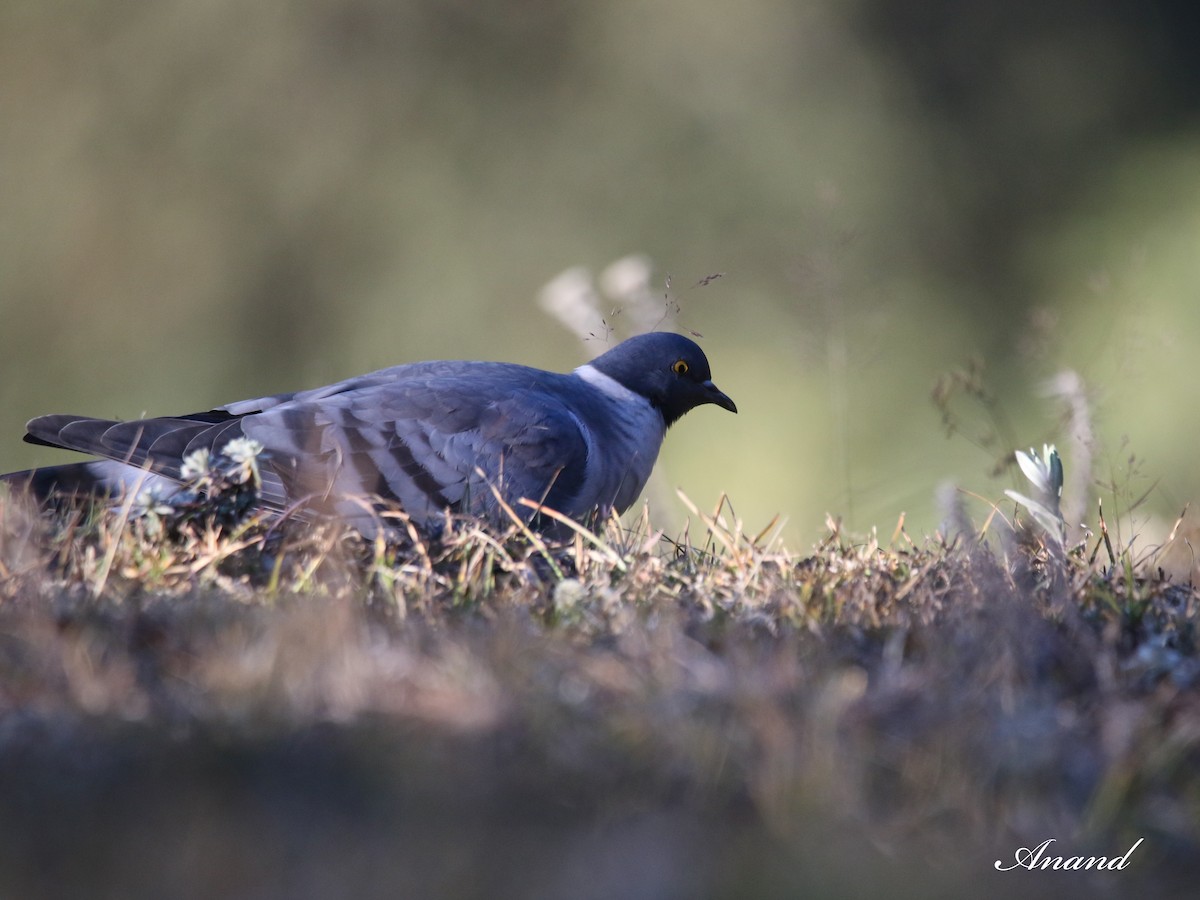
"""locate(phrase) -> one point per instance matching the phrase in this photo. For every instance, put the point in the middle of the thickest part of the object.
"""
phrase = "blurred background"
(206, 202)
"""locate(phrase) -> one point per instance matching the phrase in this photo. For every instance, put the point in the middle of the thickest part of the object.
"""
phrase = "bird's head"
(669, 370)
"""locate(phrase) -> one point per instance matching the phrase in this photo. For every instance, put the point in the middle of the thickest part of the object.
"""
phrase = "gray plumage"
(429, 436)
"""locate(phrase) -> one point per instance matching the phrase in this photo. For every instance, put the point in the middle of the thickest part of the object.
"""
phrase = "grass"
(199, 704)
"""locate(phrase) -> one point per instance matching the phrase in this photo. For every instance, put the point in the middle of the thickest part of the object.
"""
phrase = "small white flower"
(151, 504)
(242, 454)
(242, 450)
(568, 595)
(1046, 474)
(196, 465)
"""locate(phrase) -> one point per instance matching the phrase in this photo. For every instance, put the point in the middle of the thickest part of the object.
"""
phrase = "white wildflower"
(196, 466)
(1046, 474)
(243, 454)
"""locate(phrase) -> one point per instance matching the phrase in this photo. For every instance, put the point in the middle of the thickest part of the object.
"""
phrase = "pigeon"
(432, 438)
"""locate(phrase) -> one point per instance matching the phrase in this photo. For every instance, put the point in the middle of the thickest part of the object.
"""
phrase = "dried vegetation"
(620, 714)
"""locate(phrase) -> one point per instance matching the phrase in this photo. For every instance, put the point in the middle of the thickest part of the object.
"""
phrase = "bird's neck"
(609, 385)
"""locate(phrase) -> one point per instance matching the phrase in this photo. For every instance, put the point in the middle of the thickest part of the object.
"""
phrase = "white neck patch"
(609, 385)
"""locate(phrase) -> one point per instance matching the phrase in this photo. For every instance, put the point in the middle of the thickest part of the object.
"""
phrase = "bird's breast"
(623, 445)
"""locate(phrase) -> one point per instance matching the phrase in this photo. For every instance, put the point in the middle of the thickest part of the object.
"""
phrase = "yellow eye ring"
(680, 367)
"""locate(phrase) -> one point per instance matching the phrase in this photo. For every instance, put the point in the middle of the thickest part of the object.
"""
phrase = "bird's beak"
(715, 395)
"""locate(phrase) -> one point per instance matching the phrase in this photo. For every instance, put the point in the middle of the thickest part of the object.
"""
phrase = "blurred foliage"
(204, 202)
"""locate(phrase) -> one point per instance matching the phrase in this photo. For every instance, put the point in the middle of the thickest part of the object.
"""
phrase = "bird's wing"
(429, 443)
(430, 436)
(407, 372)
(161, 444)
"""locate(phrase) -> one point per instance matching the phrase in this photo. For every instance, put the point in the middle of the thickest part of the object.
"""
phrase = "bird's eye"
(680, 367)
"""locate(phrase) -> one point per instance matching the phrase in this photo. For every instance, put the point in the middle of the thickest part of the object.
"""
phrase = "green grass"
(286, 710)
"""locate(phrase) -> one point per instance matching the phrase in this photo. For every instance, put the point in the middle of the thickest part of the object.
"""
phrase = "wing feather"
(431, 436)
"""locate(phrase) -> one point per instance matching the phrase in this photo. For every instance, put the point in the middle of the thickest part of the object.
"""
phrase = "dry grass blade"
(587, 534)
(524, 528)
(223, 551)
(114, 543)
(714, 529)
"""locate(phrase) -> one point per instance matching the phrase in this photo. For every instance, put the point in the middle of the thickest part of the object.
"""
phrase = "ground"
(200, 704)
